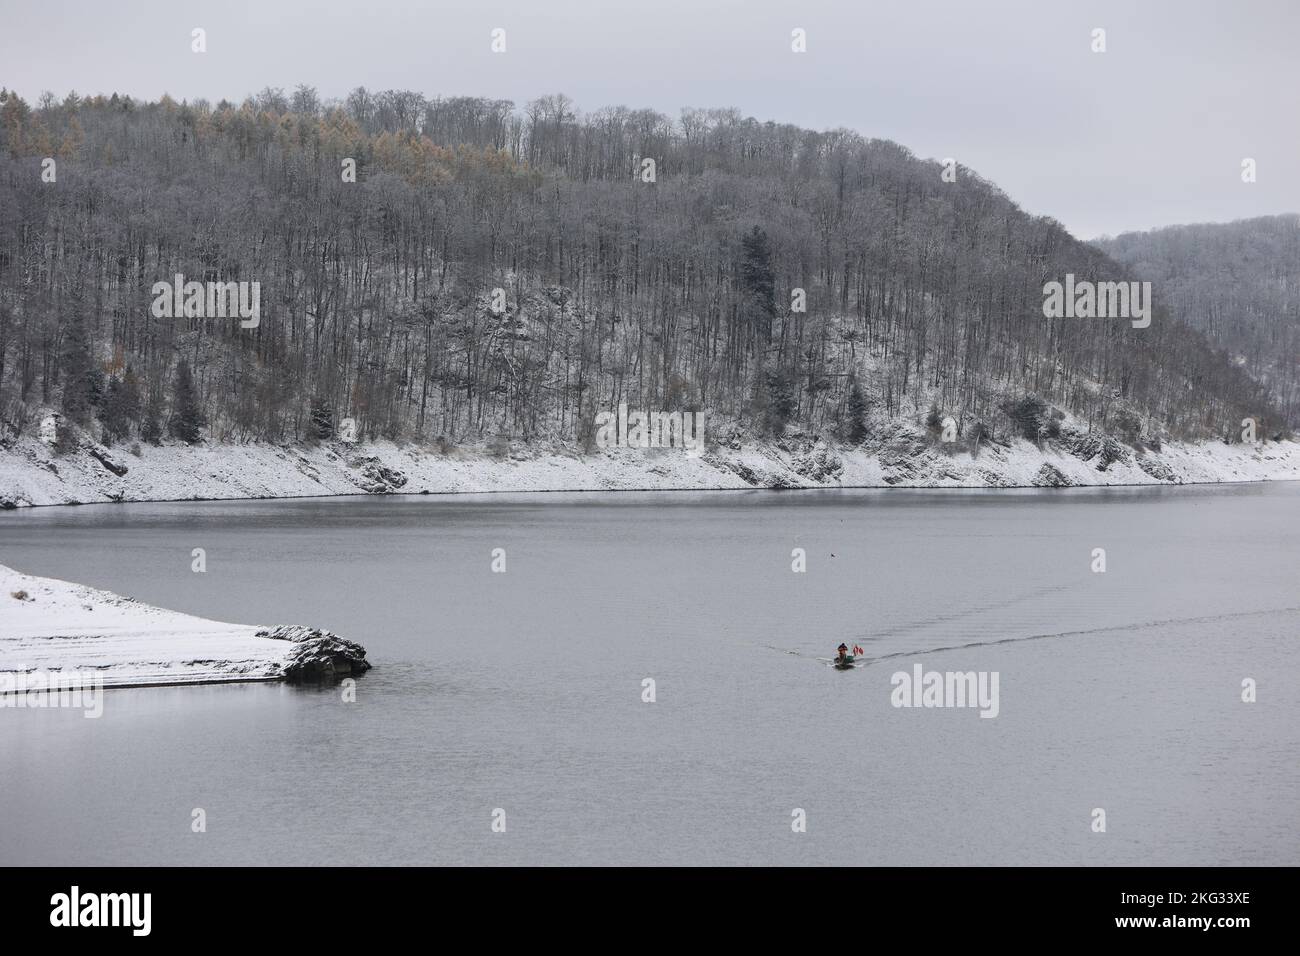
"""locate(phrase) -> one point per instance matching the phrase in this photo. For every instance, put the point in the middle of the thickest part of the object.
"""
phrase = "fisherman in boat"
(842, 654)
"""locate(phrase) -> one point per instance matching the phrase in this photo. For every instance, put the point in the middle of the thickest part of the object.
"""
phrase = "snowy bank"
(31, 473)
(47, 625)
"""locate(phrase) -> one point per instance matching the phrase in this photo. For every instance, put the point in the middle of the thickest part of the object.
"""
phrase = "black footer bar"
(223, 905)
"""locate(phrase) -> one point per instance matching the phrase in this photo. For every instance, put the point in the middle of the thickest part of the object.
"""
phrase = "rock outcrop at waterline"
(317, 655)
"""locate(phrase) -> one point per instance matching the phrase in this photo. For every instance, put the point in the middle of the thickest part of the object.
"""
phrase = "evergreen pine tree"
(322, 419)
(855, 429)
(759, 281)
(781, 403)
(131, 395)
(112, 413)
(151, 427)
(186, 420)
(78, 371)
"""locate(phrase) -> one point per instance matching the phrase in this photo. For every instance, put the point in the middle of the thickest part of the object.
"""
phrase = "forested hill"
(666, 285)
(1238, 282)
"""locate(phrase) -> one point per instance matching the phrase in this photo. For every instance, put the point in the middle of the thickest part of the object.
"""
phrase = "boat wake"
(864, 661)
(1142, 625)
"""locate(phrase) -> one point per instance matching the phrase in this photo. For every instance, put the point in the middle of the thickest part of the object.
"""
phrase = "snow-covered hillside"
(32, 474)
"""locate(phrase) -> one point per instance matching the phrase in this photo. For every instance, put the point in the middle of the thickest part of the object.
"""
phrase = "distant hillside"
(377, 296)
(1239, 283)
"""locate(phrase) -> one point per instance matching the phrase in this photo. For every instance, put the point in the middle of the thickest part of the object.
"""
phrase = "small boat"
(846, 662)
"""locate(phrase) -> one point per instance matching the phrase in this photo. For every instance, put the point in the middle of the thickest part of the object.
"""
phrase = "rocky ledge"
(317, 655)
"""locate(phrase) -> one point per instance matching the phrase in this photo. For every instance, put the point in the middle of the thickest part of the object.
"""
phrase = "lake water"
(523, 690)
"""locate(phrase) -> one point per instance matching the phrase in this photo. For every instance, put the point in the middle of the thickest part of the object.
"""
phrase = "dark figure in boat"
(844, 657)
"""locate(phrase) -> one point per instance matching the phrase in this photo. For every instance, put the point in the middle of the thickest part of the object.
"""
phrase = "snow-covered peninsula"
(48, 626)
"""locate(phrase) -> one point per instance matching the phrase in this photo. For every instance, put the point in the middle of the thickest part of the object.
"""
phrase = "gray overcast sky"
(1150, 133)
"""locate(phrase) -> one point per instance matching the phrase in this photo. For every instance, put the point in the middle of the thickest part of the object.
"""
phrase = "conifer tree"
(855, 427)
(187, 419)
(80, 387)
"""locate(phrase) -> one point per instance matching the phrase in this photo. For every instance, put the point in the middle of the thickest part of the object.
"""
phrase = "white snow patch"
(55, 625)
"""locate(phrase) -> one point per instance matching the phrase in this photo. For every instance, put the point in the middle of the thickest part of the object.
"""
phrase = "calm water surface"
(523, 690)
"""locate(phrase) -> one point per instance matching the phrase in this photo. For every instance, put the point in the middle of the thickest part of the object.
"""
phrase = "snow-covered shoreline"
(54, 627)
(31, 474)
